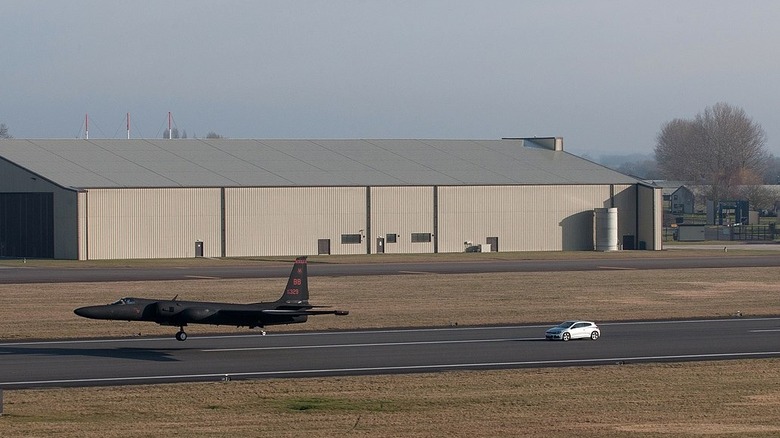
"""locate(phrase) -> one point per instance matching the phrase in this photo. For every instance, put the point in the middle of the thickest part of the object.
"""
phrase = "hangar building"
(145, 198)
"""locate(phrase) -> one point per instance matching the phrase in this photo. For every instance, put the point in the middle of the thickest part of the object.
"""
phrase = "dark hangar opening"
(27, 225)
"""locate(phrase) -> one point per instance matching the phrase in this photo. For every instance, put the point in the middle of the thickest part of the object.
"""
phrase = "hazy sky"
(605, 75)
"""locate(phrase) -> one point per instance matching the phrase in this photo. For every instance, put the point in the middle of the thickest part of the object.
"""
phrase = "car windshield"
(565, 324)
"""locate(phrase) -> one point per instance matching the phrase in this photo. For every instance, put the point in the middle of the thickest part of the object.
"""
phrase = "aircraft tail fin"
(297, 290)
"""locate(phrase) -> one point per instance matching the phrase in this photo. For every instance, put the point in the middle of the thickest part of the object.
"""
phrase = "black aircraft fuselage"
(292, 308)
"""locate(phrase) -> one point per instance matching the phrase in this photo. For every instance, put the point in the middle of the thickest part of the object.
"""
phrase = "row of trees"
(720, 148)
(4, 133)
(174, 133)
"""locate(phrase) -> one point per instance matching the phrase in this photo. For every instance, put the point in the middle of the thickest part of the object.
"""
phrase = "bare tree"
(760, 197)
(772, 173)
(678, 145)
(4, 131)
(721, 147)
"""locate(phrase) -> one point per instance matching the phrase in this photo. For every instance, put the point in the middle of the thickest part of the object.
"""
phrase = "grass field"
(727, 398)
(732, 398)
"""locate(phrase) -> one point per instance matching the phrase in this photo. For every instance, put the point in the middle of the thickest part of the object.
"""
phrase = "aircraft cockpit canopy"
(123, 301)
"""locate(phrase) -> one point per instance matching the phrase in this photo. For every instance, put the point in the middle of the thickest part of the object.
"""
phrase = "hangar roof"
(107, 163)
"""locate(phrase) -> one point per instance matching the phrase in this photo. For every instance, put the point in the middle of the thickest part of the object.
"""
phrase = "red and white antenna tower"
(128, 126)
(86, 124)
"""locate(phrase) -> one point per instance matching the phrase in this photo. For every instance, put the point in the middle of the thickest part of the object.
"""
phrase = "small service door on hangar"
(323, 246)
(380, 245)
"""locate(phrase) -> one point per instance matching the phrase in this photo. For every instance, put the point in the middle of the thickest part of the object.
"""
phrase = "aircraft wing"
(250, 314)
(304, 312)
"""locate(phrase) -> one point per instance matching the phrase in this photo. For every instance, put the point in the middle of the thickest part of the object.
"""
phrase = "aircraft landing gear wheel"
(181, 336)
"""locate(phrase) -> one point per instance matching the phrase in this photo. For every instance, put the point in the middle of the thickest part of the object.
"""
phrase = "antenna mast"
(128, 126)
(86, 124)
(169, 125)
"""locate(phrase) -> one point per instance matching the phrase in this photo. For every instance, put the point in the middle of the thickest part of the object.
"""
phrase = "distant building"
(154, 198)
(677, 198)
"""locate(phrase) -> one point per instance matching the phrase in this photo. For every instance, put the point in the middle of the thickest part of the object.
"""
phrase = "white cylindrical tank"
(606, 220)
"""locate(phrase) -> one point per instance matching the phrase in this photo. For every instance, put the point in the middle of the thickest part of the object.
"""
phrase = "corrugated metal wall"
(525, 218)
(650, 218)
(66, 225)
(151, 223)
(291, 220)
(402, 211)
(166, 223)
(83, 228)
(625, 201)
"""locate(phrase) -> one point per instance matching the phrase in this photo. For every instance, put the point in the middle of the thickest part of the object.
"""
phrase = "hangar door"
(27, 225)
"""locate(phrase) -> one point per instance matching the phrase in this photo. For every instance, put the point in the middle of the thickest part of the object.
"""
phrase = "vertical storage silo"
(606, 222)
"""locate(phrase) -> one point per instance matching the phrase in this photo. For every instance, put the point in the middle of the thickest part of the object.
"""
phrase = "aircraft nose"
(86, 312)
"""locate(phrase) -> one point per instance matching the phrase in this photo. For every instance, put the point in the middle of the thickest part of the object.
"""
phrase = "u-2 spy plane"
(293, 307)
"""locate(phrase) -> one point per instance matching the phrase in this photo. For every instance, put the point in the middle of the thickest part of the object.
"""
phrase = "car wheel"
(566, 336)
(594, 335)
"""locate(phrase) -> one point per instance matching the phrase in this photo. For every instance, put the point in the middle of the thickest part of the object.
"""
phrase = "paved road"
(14, 275)
(148, 360)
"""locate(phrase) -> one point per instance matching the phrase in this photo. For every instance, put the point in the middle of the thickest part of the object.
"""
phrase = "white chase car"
(574, 330)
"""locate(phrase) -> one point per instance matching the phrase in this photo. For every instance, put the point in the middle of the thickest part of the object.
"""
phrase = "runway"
(214, 358)
(20, 275)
